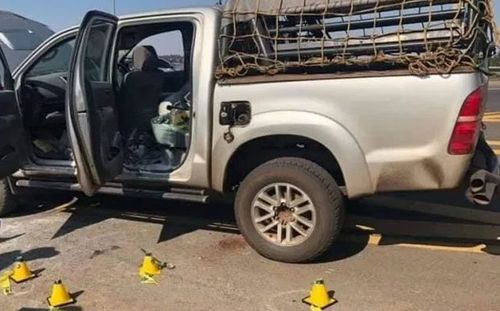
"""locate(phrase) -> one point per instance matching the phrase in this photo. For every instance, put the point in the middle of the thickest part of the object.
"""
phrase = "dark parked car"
(19, 36)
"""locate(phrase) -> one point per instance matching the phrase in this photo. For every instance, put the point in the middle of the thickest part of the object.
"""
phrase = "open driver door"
(12, 142)
(92, 118)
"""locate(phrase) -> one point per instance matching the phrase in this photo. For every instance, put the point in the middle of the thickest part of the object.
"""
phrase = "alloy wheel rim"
(283, 214)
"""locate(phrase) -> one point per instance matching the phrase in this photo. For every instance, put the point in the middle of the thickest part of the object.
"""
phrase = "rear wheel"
(8, 201)
(289, 209)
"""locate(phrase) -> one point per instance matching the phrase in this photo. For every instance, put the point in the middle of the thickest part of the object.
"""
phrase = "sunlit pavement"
(406, 251)
(492, 116)
(388, 260)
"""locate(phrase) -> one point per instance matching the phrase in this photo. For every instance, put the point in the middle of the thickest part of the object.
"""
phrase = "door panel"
(104, 132)
(92, 116)
(12, 150)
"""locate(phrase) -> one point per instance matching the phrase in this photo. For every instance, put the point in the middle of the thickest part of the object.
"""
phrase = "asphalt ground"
(405, 251)
(492, 117)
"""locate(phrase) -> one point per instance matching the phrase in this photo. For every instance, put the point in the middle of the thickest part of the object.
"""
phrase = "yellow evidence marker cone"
(5, 285)
(319, 298)
(59, 296)
(151, 267)
(21, 271)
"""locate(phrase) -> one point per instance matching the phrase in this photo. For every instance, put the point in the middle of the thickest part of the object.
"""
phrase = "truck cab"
(78, 110)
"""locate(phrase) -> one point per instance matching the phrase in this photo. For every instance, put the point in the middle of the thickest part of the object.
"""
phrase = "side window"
(96, 58)
(55, 60)
(170, 49)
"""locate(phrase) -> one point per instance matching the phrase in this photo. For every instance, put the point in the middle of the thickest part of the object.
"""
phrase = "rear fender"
(321, 129)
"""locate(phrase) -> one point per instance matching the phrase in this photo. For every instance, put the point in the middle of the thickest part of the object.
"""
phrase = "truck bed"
(388, 133)
(270, 37)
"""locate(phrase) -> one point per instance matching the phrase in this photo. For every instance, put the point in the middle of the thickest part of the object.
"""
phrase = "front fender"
(319, 128)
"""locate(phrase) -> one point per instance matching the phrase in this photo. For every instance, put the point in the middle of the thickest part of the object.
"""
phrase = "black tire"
(321, 188)
(8, 201)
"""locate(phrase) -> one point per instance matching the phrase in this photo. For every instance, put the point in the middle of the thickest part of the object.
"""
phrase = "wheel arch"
(263, 149)
(280, 134)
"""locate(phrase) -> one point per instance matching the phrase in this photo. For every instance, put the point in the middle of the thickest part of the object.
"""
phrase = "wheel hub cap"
(283, 214)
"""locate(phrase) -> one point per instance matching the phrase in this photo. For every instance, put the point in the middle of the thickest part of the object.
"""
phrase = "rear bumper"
(484, 180)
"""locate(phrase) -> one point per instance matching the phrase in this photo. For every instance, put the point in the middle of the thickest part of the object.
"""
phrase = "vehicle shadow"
(441, 219)
(67, 308)
(7, 259)
(39, 203)
(5, 239)
(176, 218)
(344, 248)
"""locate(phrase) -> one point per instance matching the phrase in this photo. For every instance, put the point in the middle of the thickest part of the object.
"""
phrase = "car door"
(90, 104)
(12, 144)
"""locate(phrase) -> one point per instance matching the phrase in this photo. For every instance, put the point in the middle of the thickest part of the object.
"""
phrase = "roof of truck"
(202, 9)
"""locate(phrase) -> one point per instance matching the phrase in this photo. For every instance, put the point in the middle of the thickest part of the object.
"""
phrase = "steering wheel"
(123, 68)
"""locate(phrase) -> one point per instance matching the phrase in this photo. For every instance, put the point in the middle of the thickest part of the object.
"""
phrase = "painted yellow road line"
(495, 144)
(478, 249)
(491, 120)
(418, 230)
(376, 239)
(491, 117)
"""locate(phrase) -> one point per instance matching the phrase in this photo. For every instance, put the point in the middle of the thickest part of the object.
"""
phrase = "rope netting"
(271, 37)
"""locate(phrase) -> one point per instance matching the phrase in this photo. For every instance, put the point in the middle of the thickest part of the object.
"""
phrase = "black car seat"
(141, 91)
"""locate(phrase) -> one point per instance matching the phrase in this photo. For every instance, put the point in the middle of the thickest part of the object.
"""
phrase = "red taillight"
(466, 130)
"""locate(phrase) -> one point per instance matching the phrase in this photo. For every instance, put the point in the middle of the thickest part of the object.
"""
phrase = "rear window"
(20, 39)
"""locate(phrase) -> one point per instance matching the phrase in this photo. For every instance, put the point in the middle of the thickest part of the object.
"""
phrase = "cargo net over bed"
(297, 36)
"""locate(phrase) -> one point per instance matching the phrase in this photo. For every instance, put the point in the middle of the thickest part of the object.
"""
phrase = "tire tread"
(329, 185)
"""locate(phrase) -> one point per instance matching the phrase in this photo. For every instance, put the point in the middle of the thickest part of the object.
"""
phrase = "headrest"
(145, 58)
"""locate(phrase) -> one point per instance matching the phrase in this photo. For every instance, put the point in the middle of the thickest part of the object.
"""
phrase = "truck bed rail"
(270, 37)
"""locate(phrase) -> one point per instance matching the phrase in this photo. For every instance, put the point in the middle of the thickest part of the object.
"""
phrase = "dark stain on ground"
(100, 252)
(232, 243)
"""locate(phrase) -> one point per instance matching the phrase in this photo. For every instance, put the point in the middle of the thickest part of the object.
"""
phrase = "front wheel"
(289, 210)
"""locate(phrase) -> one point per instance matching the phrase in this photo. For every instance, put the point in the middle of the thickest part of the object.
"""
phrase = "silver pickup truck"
(99, 109)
